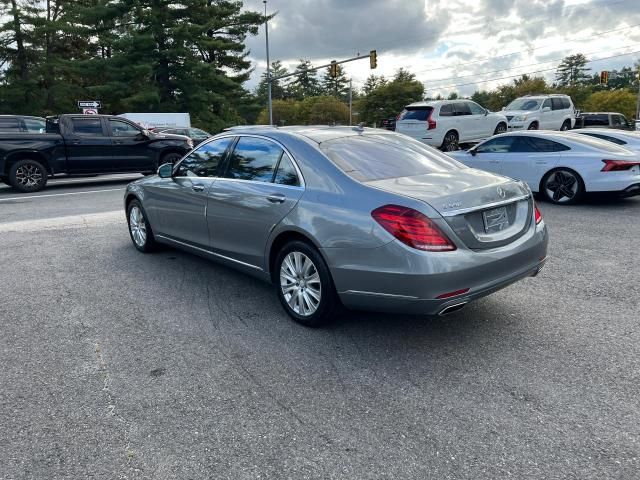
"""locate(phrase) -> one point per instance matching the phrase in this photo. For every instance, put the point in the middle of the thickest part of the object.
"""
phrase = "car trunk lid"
(483, 209)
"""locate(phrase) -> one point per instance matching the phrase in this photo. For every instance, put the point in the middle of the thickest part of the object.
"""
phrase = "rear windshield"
(377, 157)
(599, 144)
(415, 113)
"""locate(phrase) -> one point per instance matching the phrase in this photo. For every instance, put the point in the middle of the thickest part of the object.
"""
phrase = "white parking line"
(2, 199)
(70, 221)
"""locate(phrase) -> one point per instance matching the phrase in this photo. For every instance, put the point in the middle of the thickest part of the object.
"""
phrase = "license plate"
(495, 220)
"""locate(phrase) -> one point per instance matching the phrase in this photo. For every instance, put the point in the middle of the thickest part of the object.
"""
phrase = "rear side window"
(605, 137)
(565, 103)
(286, 174)
(544, 145)
(462, 108)
(595, 120)
(446, 110)
(9, 125)
(556, 104)
(377, 157)
(205, 160)
(87, 126)
(254, 159)
(416, 113)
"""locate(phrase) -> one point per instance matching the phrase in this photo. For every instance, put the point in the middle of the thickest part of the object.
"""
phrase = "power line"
(527, 73)
(525, 66)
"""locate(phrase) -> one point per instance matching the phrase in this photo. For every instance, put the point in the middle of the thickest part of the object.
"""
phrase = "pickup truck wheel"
(139, 228)
(28, 176)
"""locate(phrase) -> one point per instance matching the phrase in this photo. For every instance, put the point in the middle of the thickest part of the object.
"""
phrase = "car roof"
(22, 116)
(315, 133)
(550, 134)
(600, 113)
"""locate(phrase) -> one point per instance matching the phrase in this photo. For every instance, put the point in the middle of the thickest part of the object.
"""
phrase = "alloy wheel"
(29, 175)
(300, 284)
(451, 142)
(500, 129)
(562, 186)
(137, 226)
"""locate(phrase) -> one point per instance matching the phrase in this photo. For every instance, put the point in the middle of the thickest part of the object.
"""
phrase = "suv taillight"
(412, 228)
(431, 124)
(618, 165)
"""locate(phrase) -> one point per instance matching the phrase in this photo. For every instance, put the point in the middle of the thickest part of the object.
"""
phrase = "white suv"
(447, 123)
(544, 112)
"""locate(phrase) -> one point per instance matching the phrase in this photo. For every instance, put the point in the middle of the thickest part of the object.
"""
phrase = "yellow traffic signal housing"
(604, 77)
(333, 69)
(373, 59)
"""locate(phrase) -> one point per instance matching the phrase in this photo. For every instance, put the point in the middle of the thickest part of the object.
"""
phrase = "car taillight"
(618, 165)
(537, 214)
(431, 124)
(412, 228)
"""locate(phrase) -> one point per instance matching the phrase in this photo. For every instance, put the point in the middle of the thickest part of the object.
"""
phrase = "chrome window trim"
(459, 211)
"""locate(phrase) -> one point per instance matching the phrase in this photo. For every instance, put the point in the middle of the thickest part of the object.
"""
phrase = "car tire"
(562, 186)
(500, 128)
(450, 142)
(304, 285)
(533, 126)
(566, 125)
(139, 228)
(28, 176)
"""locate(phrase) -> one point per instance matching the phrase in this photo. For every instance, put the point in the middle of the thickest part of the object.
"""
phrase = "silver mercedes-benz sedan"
(341, 216)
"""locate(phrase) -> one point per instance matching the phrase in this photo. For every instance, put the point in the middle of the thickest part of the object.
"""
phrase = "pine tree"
(337, 87)
(279, 89)
(573, 71)
(372, 82)
(306, 84)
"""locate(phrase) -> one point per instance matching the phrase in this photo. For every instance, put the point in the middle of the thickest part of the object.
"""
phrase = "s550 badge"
(451, 205)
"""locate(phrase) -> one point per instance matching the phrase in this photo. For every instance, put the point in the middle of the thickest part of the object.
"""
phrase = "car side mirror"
(473, 152)
(546, 109)
(165, 170)
(486, 112)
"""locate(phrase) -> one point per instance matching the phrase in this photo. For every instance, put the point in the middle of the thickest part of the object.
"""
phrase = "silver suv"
(541, 112)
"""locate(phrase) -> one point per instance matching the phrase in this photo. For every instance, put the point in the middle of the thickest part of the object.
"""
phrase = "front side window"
(496, 145)
(122, 129)
(524, 104)
(475, 108)
(87, 126)
(547, 103)
(254, 159)
(197, 133)
(599, 120)
(35, 125)
(205, 160)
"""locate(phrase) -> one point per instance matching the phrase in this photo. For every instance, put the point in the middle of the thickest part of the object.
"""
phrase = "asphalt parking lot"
(118, 365)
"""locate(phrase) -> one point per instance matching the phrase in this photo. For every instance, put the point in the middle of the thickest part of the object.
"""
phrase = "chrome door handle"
(76, 142)
(276, 198)
(197, 188)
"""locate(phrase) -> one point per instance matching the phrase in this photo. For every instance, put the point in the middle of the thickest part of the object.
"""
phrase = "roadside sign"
(95, 104)
(90, 111)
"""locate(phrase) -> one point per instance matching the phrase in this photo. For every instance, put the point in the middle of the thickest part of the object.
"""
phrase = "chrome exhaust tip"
(452, 308)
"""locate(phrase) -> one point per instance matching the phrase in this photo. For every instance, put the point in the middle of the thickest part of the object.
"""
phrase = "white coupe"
(560, 165)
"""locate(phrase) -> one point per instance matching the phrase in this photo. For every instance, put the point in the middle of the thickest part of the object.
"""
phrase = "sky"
(450, 45)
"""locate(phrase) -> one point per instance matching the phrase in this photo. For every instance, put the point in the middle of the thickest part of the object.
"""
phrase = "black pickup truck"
(84, 144)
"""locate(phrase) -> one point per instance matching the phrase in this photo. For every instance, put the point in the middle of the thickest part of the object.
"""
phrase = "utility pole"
(350, 101)
(266, 31)
(638, 103)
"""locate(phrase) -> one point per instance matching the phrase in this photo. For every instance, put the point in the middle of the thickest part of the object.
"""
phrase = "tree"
(573, 71)
(387, 100)
(403, 75)
(306, 84)
(279, 90)
(372, 82)
(337, 87)
(621, 101)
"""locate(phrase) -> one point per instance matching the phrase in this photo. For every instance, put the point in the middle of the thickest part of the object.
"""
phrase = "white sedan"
(560, 165)
(624, 138)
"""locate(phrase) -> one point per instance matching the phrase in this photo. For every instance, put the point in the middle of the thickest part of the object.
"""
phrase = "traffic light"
(373, 59)
(604, 77)
(333, 69)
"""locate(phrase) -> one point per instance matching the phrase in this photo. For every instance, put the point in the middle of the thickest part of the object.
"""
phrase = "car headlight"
(519, 118)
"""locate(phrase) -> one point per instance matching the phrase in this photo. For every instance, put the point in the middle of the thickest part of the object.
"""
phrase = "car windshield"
(377, 157)
(524, 104)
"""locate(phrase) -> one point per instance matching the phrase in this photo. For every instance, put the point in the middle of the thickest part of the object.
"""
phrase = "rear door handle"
(76, 142)
(197, 188)
(118, 142)
(276, 198)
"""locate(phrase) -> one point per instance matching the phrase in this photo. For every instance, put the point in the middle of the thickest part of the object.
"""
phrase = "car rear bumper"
(395, 278)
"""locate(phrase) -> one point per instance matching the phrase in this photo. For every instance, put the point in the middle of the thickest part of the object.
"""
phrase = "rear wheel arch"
(281, 240)
(26, 155)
